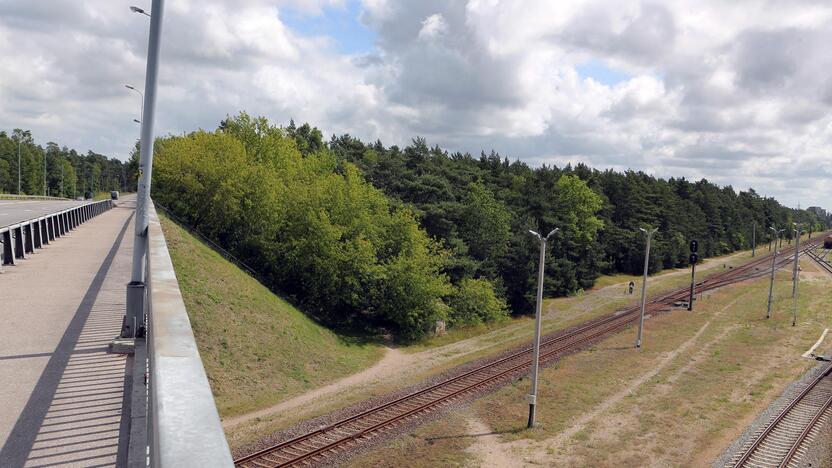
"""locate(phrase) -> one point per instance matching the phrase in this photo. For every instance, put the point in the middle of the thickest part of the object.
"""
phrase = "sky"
(737, 92)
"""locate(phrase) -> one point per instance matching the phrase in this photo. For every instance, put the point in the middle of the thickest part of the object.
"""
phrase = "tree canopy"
(364, 235)
(68, 173)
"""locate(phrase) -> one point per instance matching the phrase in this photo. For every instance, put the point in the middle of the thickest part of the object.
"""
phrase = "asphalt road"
(15, 211)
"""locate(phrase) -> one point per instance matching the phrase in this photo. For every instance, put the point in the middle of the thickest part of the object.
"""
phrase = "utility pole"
(796, 254)
(44, 173)
(694, 246)
(62, 179)
(649, 234)
(754, 238)
(794, 280)
(537, 314)
(136, 288)
(773, 261)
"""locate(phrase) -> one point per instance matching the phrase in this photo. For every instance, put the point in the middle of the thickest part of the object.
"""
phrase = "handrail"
(184, 426)
(13, 196)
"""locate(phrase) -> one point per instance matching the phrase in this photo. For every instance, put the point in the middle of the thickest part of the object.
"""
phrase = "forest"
(68, 174)
(381, 237)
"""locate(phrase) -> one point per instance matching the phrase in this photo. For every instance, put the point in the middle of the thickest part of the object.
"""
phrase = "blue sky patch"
(341, 24)
(600, 72)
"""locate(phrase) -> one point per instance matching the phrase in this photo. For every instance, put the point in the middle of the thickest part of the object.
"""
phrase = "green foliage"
(484, 223)
(68, 174)
(474, 301)
(373, 236)
(315, 228)
(481, 209)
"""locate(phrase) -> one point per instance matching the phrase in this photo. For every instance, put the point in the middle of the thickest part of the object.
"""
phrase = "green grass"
(257, 348)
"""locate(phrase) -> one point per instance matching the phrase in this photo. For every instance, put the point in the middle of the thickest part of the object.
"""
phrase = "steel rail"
(563, 341)
(803, 435)
(819, 260)
(757, 444)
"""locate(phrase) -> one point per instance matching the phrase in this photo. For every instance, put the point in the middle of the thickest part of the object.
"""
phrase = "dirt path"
(487, 448)
(392, 361)
(393, 365)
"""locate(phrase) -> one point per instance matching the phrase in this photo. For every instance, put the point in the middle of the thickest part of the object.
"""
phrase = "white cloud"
(733, 91)
(432, 26)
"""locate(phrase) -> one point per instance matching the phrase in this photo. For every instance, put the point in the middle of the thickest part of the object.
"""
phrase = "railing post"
(18, 242)
(8, 247)
(35, 226)
(42, 230)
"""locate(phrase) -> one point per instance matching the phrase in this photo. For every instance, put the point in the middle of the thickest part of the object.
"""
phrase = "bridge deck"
(65, 400)
(13, 211)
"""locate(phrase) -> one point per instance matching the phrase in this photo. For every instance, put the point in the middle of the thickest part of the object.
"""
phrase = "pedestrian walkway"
(65, 400)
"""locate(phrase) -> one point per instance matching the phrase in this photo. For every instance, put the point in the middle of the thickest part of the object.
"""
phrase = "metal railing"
(13, 196)
(22, 238)
(175, 413)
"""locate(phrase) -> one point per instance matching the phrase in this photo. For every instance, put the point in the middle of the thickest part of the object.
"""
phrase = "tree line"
(67, 173)
(367, 235)
(599, 214)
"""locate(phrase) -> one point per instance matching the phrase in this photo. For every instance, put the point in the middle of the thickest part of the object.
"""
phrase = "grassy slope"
(257, 348)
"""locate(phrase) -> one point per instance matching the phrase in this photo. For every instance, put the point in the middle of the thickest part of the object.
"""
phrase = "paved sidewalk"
(65, 401)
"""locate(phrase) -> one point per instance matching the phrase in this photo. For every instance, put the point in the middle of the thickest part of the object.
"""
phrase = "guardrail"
(13, 196)
(174, 419)
(24, 237)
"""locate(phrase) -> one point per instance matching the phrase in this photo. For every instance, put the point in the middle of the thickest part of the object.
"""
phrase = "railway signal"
(649, 233)
(693, 259)
(538, 307)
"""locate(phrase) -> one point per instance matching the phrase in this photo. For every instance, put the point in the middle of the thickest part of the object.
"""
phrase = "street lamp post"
(649, 234)
(538, 310)
(796, 230)
(794, 278)
(18, 165)
(136, 287)
(773, 261)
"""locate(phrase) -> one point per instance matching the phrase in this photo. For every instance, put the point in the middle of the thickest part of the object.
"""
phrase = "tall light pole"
(796, 230)
(773, 261)
(18, 164)
(649, 234)
(136, 287)
(537, 314)
(794, 279)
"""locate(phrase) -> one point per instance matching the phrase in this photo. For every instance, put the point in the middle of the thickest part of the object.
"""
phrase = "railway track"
(820, 258)
(784, 441)
(322, 445)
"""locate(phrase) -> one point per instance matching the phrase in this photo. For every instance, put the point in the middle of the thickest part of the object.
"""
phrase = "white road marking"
(808, 354)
